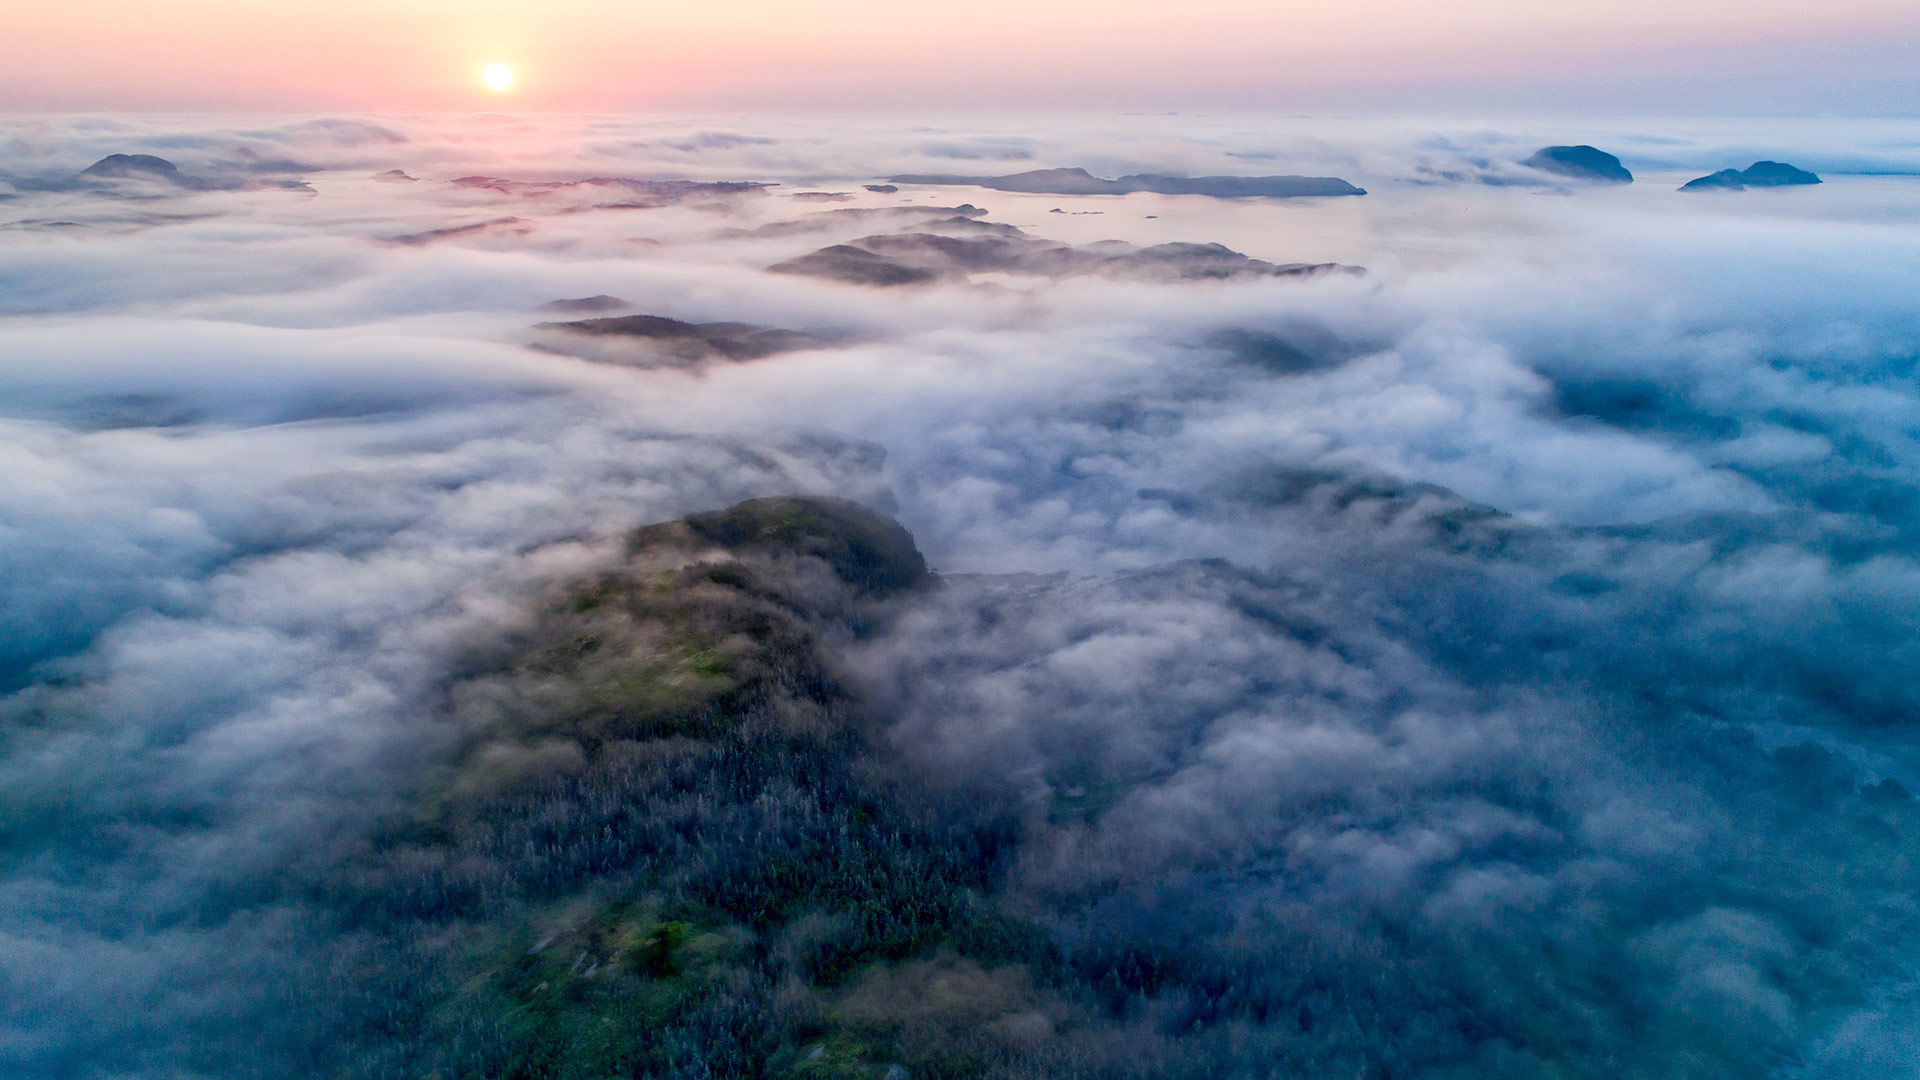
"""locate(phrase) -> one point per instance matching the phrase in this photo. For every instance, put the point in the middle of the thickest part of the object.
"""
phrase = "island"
(1081, 182)
(1759, 174)
(1580, 163)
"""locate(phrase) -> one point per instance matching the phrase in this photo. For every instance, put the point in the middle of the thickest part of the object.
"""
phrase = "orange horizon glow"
(609, 54)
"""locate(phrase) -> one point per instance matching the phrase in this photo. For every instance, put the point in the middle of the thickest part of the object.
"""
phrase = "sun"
(497, 77)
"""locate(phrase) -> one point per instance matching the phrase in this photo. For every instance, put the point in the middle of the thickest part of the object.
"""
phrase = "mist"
(1495, 659)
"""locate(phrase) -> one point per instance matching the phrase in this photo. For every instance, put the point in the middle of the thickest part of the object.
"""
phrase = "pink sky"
(1853, 55)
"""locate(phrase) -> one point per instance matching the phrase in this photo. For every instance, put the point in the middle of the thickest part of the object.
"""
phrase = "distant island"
(1580, 163)
(123, 166)
(107, 173)
(954, 248)
(1759, 174)
(1081, 182)
(654, 341)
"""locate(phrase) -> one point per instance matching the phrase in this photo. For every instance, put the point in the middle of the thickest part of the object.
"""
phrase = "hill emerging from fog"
(1080, 182)
(1759, 174)
(672, 836)
(678, 835)
(1580, 163)
(672, 840)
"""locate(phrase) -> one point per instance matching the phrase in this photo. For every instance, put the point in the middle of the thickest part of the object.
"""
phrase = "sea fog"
(1535, 573)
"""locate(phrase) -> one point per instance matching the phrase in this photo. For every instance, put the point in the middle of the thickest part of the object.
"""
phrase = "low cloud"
(1513, 632)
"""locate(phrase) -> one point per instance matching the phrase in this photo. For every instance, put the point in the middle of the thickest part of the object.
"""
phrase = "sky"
(1851, 57)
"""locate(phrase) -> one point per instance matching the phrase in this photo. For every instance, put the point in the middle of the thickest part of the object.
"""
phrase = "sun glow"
(497, 77)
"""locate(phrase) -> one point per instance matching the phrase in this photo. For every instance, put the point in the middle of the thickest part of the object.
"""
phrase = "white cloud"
(1460, 626)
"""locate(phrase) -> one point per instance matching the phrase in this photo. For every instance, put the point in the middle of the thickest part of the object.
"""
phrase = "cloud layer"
(1520, 629)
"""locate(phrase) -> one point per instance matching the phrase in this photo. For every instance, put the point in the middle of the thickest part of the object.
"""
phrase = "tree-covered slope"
(671, 844)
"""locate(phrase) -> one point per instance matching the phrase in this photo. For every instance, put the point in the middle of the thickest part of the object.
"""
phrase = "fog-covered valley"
(1461, 629)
